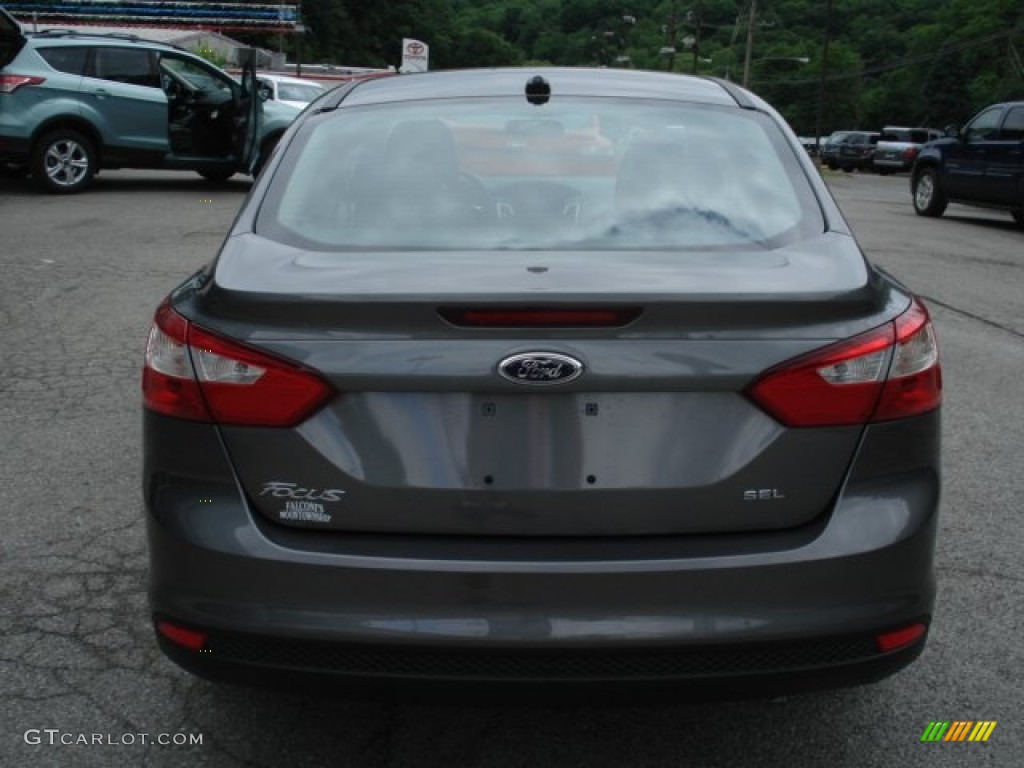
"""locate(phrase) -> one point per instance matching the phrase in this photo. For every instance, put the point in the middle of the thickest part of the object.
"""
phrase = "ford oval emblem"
(540, 368)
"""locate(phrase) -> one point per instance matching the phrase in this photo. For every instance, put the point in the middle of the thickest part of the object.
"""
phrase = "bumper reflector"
(900, 638)
(187, 638)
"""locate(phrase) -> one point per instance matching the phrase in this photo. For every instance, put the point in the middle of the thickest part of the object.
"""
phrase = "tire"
(927, 194)
(63, 162)
(1018, 216)
(216, 177)
(847, 169)
(833, 166)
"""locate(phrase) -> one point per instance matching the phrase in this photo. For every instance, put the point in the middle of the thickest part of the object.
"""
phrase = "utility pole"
(697, 15)
(750, 42)
(672, 33)
(822, 78)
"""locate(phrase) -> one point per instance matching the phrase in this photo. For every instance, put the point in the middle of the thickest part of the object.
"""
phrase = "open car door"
(249, 115)
(11, 38)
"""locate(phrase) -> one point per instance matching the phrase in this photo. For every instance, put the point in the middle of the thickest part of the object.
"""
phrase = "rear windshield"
(503, 174)
(11, 38)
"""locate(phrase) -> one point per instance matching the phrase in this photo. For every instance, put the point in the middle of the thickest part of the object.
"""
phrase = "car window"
(65, 58)
(985, 126)
(494, 174)
(194, 74)
(1013, 126)
(297, 92)
(124, 65)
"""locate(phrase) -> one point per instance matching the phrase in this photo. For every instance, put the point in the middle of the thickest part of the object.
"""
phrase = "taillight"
(890, 372)
(911, 152)
(191, 373)
(11, 83)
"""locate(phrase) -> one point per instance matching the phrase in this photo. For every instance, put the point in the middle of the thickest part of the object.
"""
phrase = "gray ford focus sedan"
(553, 376)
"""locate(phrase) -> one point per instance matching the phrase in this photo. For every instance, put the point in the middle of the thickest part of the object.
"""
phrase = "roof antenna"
(538, 90)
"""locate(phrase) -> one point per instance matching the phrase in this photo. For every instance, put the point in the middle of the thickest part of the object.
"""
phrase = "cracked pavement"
(81, 277)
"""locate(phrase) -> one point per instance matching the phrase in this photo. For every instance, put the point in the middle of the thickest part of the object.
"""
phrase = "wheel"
(847, 169)
(929, 199)
(217, 176)
(832, 166)
(883, 171)
(63, 162)
(1018, 216)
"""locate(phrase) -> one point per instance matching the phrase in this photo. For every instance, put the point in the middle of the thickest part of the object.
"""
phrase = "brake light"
(193, 374)
(534, 317)
(911, 152)
(11, 83)
(890, 372)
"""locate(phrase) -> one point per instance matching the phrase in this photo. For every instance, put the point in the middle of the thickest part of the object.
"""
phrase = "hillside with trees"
(927, 62)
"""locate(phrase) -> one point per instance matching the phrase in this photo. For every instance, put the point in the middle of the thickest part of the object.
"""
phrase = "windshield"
(503, 174)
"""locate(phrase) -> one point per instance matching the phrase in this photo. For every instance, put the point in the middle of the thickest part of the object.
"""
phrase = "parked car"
(653, 421)
(292, 91)
(980, 164)
(856, 150)
(72, 103)
(898, 147)
(830, 149)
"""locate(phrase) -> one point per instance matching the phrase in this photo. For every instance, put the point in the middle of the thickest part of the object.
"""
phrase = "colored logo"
(958, 730)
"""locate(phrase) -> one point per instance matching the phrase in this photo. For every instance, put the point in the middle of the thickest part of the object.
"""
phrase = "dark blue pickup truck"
(979, 164)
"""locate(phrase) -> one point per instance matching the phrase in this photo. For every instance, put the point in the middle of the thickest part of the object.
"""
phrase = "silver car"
(542, 375)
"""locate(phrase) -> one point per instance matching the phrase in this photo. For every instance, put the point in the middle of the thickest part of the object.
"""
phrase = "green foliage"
(913, 61)
(211, 56)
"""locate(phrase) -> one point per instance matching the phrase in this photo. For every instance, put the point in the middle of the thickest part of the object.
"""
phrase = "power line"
(901, 63)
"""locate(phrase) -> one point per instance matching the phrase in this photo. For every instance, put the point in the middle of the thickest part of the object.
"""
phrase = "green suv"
(73, 102)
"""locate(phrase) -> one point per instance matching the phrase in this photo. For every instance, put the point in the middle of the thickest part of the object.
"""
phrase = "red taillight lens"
(194, 374)
(11, 83)
(911, 152)
(914, 384)
(890, 372)
(169, 384)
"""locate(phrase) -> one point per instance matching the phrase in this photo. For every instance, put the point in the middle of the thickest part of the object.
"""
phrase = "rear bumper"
(757, 613)
(894, 165)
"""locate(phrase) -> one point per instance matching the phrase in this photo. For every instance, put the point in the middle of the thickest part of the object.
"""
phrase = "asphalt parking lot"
(80, 279)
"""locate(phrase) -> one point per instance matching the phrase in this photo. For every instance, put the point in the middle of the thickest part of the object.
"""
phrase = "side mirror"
(263, 92)
(953, 131)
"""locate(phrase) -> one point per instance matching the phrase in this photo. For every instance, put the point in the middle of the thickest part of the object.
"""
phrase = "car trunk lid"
(656, 435)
